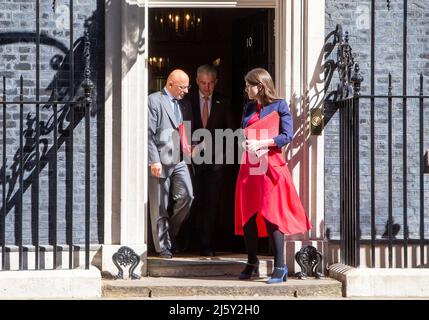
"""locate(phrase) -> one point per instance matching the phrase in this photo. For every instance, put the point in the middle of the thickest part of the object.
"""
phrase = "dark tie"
(177, 111)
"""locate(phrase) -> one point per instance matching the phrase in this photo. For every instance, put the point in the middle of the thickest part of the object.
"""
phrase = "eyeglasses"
(184, 87)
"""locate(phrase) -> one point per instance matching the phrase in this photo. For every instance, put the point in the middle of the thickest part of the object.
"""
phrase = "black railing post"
(422, 169)
(36, 183)
(356, 81)
(390, 172)
(19, 226)
(70, 148)
(87, 85)
(4, 200)
(54, 173)
(343, 183)
(404, 132)
(372, 135)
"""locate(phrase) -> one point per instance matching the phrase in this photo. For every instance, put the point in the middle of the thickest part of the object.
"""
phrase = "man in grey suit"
(169, 176)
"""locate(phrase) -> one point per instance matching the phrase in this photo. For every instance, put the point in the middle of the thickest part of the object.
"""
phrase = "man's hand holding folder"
(188, 149)
(260, 133)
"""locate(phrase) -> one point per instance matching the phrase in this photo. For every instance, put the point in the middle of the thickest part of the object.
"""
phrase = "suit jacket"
(163, 137)
(286, 126)
(220, 116)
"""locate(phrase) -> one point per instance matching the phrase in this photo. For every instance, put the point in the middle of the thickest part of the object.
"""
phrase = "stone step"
(152, 287)
(224, 264)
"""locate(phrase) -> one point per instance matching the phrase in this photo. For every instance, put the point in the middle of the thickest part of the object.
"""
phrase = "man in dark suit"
(169, 176)
(210, 110)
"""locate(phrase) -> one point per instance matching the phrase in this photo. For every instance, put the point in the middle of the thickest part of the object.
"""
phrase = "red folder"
(186, 147)
(265, 128)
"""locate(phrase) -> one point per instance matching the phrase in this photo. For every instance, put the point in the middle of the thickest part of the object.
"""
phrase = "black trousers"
(207, 184)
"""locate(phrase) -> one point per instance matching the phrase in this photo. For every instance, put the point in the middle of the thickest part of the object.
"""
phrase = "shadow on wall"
(60, 91)
(313, 98)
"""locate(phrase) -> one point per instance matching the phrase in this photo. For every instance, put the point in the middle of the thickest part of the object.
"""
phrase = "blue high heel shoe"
(249, 270)
(281, 275)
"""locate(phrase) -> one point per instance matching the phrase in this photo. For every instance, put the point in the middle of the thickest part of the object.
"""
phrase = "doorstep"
(187, 265)
(152, 287)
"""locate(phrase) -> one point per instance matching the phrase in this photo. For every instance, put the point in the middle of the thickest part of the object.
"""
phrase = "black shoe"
(166, 254)
(249, 270)
(207, 253)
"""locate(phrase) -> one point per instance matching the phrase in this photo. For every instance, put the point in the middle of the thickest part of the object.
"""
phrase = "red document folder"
(265, 128)
(186, 147)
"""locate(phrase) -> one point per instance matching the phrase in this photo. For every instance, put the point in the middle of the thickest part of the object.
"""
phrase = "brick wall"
(18, 58)
(354, 16)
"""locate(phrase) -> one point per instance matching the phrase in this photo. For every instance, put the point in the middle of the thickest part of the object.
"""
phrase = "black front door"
(252, 46)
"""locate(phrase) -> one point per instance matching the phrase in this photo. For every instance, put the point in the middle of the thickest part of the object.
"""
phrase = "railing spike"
(390, 85)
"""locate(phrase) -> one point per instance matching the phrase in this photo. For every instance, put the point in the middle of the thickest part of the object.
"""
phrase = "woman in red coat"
(266, 201)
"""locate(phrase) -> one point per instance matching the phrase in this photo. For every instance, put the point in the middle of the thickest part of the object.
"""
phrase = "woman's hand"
(253, 145)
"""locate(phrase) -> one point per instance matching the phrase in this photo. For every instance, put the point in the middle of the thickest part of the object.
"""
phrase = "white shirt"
(171, 97)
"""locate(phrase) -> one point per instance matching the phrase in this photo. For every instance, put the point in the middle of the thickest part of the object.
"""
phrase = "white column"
(299, 45)
(126, 131)
(133, 125)
(315, 81)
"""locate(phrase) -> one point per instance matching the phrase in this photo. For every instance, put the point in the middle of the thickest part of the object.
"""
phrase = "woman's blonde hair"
(260, 77)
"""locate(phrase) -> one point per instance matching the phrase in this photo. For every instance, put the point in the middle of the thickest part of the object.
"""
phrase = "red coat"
(272, 193)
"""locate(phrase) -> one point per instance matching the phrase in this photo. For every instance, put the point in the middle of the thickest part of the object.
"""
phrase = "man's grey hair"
(207, 69)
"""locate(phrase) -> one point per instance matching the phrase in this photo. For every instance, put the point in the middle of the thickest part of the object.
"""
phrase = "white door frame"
(299, 37)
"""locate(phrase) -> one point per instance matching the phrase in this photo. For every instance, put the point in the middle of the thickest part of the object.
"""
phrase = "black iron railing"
(349, 101)
(65, 111)
(391, 234)
(49, 158)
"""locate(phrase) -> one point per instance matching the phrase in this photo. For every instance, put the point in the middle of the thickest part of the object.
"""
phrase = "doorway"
(234, 40)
